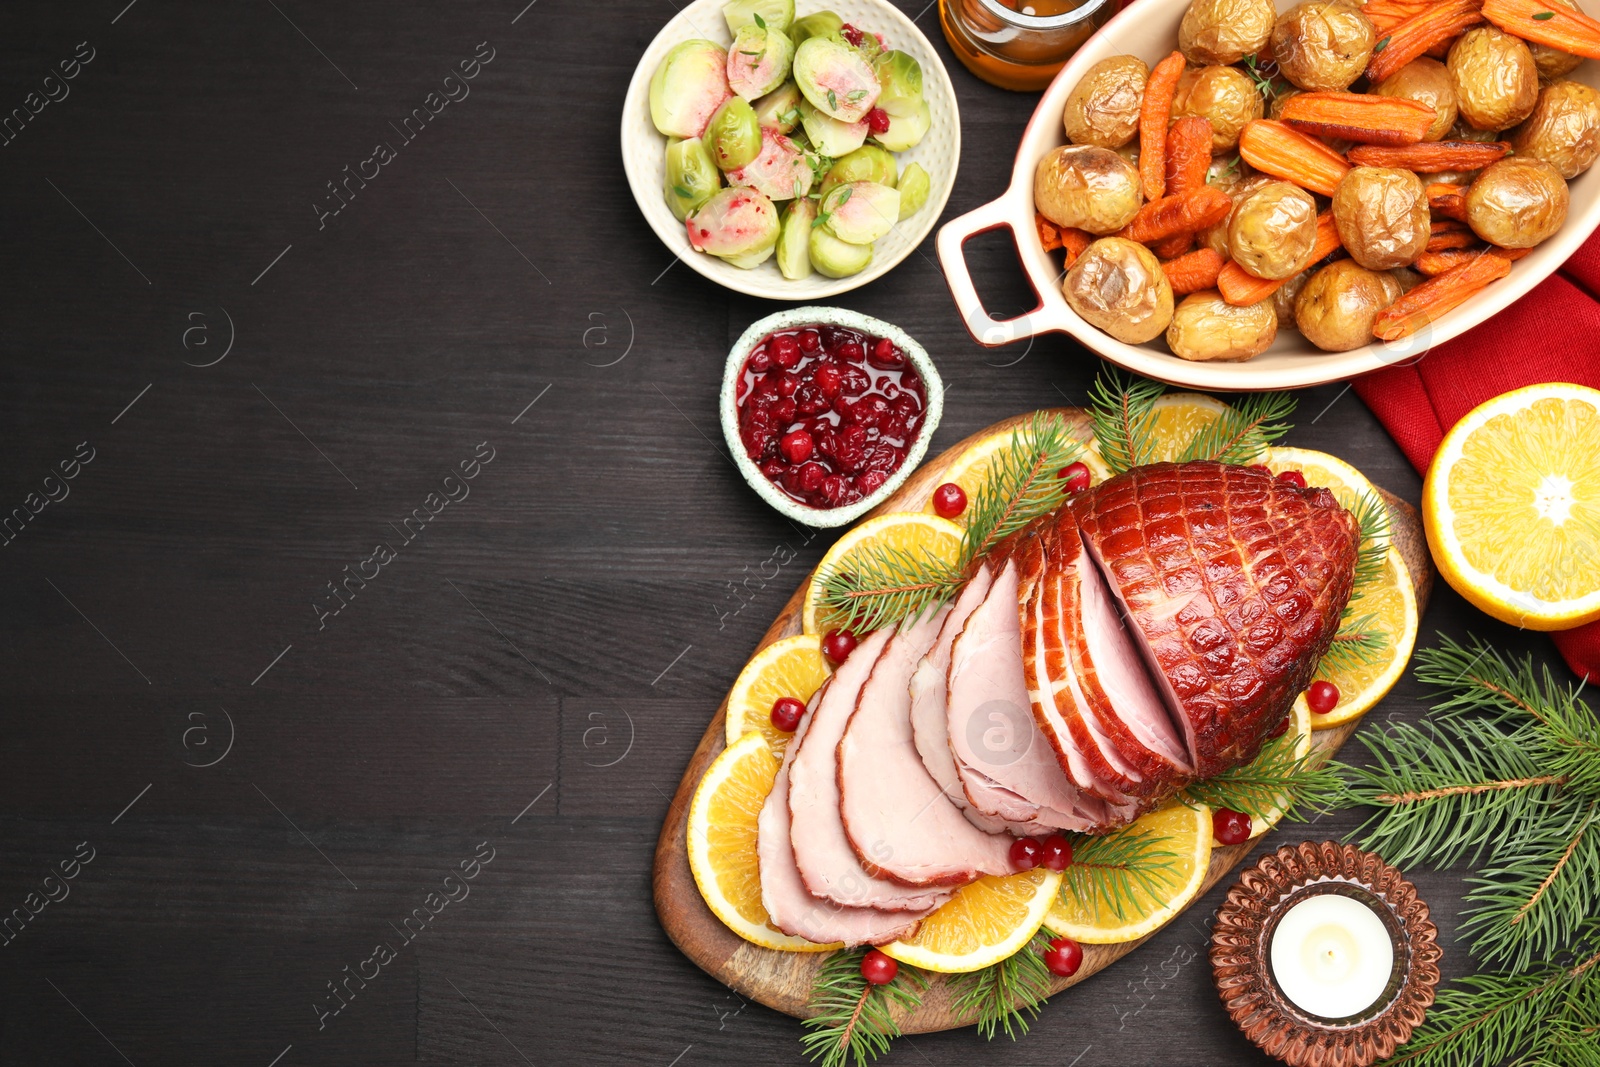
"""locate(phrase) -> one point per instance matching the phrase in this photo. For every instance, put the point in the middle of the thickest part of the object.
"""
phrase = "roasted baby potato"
(1382, 216)
(1517, 202)
(1337, 307)
(1427, 81)
(1272, 229)
(1283, 300)
(1103, 108)
(1225, 95)
(1225, 31)
(1323, 46)
(1206, 328)
(1564, 129)
(1495, 78)
(1118, 285)
(1087, 187)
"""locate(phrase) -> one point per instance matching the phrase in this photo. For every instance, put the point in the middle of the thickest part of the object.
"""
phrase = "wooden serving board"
(783, 980)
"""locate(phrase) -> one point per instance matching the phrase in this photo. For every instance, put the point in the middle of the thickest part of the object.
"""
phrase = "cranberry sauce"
(827, 412)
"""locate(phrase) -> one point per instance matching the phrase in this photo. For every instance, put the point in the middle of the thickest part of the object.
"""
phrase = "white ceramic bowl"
(1149, 30)
(644, 149)
(932, 386)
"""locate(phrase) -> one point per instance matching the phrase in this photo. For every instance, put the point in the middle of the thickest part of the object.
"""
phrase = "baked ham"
(901, 825)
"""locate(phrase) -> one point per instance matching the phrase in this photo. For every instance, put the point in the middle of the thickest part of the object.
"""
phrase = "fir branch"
(1355, 645)
(1478, 678)
(1123, 413)
(1110, 873)
(882, 586)
(1277, 778)
(1022, 483)
(1001, 993)
(1372, 517)
(1242, 433)
(853, 1023)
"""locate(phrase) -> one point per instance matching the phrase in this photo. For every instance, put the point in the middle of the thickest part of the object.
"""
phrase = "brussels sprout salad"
(783, 143)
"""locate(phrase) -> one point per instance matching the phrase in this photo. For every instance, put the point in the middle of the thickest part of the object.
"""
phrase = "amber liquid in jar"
(1020, 44)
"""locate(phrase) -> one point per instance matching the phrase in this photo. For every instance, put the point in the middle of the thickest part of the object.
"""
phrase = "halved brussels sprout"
(734, 136)
(837, 80)
(758, 61)
(690, 177)
(830, 136)
(794, 241)
(773, 14)
(836, 258)
(869, 163)
(688, 87)
(861, 212)
(914, 186)
(735, 223)
(906, 132)
(899, 83)
(817, 24)
(780, 109)
(782, 171)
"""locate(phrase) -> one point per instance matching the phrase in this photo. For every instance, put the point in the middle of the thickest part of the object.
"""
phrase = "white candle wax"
(1332, 956)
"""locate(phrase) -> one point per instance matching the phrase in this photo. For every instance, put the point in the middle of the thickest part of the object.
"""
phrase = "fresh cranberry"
(851, 352)
(1294, 478)
(838, 645)
(1057, 853)
(828, 380)
(796, 447)
(786, 350)
(878, 120)
(879, 968)
(949, 500)
(1229, 826)
(1076, 476)
(1280, 729)
(851, 34)
(1322, 696)
(886, 356)
(810, 342)
(1025, 854)
(786, 712)
(811, 476)
(1063, 957)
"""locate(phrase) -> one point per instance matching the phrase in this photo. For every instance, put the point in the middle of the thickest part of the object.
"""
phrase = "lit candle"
(1332, 956)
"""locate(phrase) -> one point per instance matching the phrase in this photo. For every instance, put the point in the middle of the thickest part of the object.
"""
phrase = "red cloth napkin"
(1550, 335)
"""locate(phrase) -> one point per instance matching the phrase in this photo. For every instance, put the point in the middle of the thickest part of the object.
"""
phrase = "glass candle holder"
(1020, 44)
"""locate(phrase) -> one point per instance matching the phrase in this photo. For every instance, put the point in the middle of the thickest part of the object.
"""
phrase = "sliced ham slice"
(1000, 753)
(789, 907)
(828, 865)
(901, 825)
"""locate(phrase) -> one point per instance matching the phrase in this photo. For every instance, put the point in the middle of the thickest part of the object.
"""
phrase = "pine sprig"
(1355, 644)
(1242, 433)
(885, 585)
(1476, 678)
(854, 1023)
(1109, 874)
(1007, 994)
(1372, 517)
(1275, 779)
(1122, 410)
(1022, 484)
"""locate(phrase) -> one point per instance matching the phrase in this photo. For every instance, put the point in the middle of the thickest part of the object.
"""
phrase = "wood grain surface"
(783, 980)
(558, 638)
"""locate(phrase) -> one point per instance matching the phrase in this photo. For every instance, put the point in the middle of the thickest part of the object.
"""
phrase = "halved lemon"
(984, 923)
(1296, 739)
(911, 532)
(972, 467)
(1391, 601)
(1184, 832)
(1511, 506)
(794, 667)
(722, 842)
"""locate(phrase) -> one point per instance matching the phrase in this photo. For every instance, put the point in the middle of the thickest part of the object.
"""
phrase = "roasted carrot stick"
(1171, 215)
(1193, 272)
(1049, 236)
(1363, 117)
(1241, 288)
(1154, 114)
(1441, 242)
(1286, 153)
(1437, 296)
(1188, 154)
(1448, 199)
(1549, 24)
(1435, 263)
(1411, 38)
(1073, 243)
(1431, 158)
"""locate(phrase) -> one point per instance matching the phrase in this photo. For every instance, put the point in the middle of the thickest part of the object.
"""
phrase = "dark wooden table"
(270, 776)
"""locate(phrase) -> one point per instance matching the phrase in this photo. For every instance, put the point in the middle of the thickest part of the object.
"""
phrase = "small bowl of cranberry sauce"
(827, 411)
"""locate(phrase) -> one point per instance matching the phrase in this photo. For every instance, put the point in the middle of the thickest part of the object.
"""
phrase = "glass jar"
(1020, 47)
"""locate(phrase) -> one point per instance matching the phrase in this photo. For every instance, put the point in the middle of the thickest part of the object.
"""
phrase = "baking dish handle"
(984, 328)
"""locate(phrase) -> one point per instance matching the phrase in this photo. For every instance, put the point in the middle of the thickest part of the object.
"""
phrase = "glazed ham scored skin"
(1153, 630)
